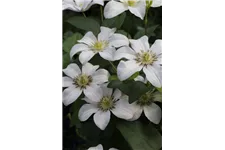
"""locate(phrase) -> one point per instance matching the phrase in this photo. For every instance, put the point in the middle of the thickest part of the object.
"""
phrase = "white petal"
(99, 2)
(140, 44)
(144, 41)
(98, 147)
(89, 39)
(139, 9)
(93, 92)
(70, 5)
(122, 110)
(105, 33)
(100, 76)
(113, 9)
(89, 101)
(118, 40)
(153, 113)
(102, 119)
(67, 82)
(108, 54)
(156, 3)
(124, 52)
(89, 69)
(85, 56)
(139, 78)
(85, 4)
(137, 111)
(157, 47)
(127, 69)
(153, 76)
(113, 149)
(72, 70)
(78, 48)
(106, 91)
(117, 94)
(86, 111)
(71, 94)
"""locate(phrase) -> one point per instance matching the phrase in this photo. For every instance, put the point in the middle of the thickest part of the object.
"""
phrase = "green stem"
(101, 10)
(146, 20)
(84, 14)
(113, 66)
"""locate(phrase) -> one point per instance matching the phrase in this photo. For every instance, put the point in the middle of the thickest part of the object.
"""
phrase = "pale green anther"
(106, 103)
(146, 58)
(82, 80)
(131, 2)
(146, 99)
(100, 46)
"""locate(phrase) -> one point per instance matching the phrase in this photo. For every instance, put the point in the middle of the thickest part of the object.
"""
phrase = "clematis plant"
(80, 5)
(114, 8)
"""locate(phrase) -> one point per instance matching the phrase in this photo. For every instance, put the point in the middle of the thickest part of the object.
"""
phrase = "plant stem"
(84, 14)
(101, 10)
(146, 20)
(113, 66)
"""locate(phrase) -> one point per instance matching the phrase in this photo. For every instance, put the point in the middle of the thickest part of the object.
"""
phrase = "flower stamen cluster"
(146, 58)
(82, 81)
(106, 103)
(99, 46)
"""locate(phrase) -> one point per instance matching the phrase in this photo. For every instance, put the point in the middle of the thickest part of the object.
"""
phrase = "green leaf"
(140, 136)
(87, 24)
(151, 30)
(124, 33)
(67, 34)
(113, 77)
(134, 89)
(71, 41)
(139, 34)
(66, 60)
(75, 109)
(115, 22)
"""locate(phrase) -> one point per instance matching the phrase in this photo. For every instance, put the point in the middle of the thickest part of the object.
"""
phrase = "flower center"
(131, 2)
(82, 80)
(106, 103)
(146, 58)
(146, 99)
(100, 46)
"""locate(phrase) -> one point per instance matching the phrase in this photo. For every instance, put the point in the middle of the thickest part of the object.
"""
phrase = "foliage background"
(137, 135)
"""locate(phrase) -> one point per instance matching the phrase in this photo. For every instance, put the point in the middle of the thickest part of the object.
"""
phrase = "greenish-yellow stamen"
(146, 58)
(82, 80)
(131, 2)
(106, 103)
(100, 46)
(146, 99)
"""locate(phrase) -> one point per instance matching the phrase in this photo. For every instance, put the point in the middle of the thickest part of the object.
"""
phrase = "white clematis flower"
(103, 106)
(80, 5)
(105, 45)
(114, 8)
(100, 147)
(86, 80)
(141, 56)
(146, 103)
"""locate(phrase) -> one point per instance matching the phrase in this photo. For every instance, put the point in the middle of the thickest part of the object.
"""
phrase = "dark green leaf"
(140, 136)
(151, 30)
(124, 33)
(75, 109)
(134, 89)
(71, 41)
(86, 24)
(67, 34)
(115, 22)
(66, 60)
